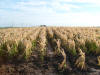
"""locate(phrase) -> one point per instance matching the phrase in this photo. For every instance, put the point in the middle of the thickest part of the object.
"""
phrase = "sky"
(49, 12)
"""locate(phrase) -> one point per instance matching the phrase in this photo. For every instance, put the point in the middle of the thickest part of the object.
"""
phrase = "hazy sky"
(50, 12)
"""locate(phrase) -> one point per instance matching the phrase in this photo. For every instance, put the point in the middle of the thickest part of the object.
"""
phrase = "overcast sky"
(50, 12)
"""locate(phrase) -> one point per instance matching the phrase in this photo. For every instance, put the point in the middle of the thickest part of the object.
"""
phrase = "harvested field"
(50, 51)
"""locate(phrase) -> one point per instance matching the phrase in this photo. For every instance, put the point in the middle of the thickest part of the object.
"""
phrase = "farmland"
(50, 50)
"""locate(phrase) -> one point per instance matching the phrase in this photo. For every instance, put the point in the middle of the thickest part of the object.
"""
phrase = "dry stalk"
(80, 62)
(63, 63)
(58, 46)
(98, 58)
